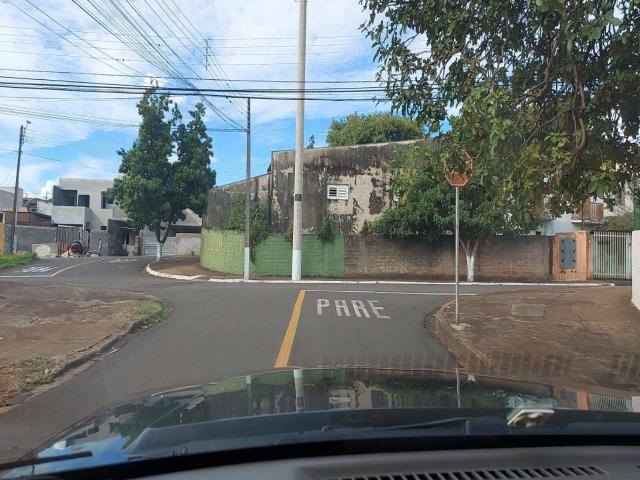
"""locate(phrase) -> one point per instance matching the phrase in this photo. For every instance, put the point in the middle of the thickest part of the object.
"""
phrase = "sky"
(249, 40)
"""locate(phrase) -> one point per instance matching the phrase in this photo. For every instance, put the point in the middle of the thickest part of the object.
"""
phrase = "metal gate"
(149, 246)
(611, 254)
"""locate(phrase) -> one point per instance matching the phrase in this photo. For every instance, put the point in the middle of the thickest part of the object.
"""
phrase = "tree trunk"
(160, 243)
(470, 254)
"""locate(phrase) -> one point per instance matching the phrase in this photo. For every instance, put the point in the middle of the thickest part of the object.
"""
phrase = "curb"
(89, 354)
(463, 351)
(156, 273)
(172, 276)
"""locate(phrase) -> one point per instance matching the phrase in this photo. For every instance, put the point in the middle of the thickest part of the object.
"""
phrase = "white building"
(82, 202)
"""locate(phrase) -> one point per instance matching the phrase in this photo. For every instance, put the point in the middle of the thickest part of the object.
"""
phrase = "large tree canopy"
(358, 129)
(154, 191)
(555, 81)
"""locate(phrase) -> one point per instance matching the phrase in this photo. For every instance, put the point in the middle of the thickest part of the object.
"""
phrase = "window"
(83, 200)
(103, 227)
(106, 201)
(337, 192)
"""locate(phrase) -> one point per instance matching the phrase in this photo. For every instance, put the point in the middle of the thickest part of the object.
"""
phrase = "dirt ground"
(569, 336)
(44, 328)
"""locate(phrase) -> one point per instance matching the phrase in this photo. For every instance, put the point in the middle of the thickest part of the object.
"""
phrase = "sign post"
(457, 180)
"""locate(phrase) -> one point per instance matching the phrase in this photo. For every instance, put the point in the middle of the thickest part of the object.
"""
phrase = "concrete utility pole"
(247, 199)
(13, 239)
(296, 256)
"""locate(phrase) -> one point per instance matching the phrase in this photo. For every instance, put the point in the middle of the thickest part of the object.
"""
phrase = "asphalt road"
(219, 330)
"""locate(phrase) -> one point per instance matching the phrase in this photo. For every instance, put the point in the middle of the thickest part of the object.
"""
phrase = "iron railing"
(611, 254)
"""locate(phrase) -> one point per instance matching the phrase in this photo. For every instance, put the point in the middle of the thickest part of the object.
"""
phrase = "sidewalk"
(575, 337)
(47, 329)
(188, 268)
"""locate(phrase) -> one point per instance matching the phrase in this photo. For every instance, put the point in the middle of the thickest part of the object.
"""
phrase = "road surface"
(218, 330)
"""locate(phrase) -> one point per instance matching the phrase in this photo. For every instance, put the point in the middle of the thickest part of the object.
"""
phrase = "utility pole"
(296, 256)
(13, 239)
(247, 199)
(457, 253)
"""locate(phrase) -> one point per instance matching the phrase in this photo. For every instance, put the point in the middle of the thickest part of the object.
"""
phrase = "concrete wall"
(6, 197)
(223, 251)
(635, 272)
(219, 199)
(364, 169)
(28, 235)
(187, 244)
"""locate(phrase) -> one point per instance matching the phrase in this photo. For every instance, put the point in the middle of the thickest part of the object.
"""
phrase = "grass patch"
(150, 312)
(7, 261)
(36, 371)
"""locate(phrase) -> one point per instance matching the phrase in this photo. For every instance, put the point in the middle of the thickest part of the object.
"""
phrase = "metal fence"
(611, 255)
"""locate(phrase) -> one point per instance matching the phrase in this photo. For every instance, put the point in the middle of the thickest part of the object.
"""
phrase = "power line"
(127, 25)
(246, 80)
(216, 38)
(123, 86)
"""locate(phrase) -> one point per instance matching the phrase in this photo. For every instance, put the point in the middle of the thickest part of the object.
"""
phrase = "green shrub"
(326, 234)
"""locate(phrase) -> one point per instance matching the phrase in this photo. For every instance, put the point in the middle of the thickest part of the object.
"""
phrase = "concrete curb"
(172, 276)
(460, 348)
(156, 273)
(97, 349)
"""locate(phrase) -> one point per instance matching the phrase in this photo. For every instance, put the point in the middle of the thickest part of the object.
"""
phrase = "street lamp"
(457, 180)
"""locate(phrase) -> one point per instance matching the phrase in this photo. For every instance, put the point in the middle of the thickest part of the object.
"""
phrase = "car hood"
(130, 430)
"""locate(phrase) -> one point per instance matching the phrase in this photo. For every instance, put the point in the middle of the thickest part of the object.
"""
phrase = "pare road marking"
(344, 308)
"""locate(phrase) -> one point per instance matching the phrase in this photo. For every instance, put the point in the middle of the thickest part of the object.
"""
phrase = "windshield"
(358, 218)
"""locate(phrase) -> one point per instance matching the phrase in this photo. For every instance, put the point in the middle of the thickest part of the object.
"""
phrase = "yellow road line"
(287, 341)
(72, 266)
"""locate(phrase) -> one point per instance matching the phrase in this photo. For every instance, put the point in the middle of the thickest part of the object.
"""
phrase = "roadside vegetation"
(151, 312)
(7, 261)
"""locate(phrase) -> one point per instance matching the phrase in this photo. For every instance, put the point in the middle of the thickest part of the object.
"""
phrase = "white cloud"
(242, 40)
(47, 189)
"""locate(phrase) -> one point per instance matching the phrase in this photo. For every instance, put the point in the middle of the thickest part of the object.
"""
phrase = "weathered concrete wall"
(187, 244)
(635, 271)
(365, 169)
(28, 235)
(219, 199)
(524, 258)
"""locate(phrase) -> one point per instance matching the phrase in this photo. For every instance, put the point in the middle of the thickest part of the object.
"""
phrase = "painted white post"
(635, 268)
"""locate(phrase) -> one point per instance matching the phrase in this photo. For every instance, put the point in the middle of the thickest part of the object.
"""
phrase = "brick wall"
(505, 258)
(498, 258)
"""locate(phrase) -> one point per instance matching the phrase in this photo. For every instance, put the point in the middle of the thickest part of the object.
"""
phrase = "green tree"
(152, 190)
(426, 206)
(555, 80)
(194, 151)
(620, 222)
(358, 129)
